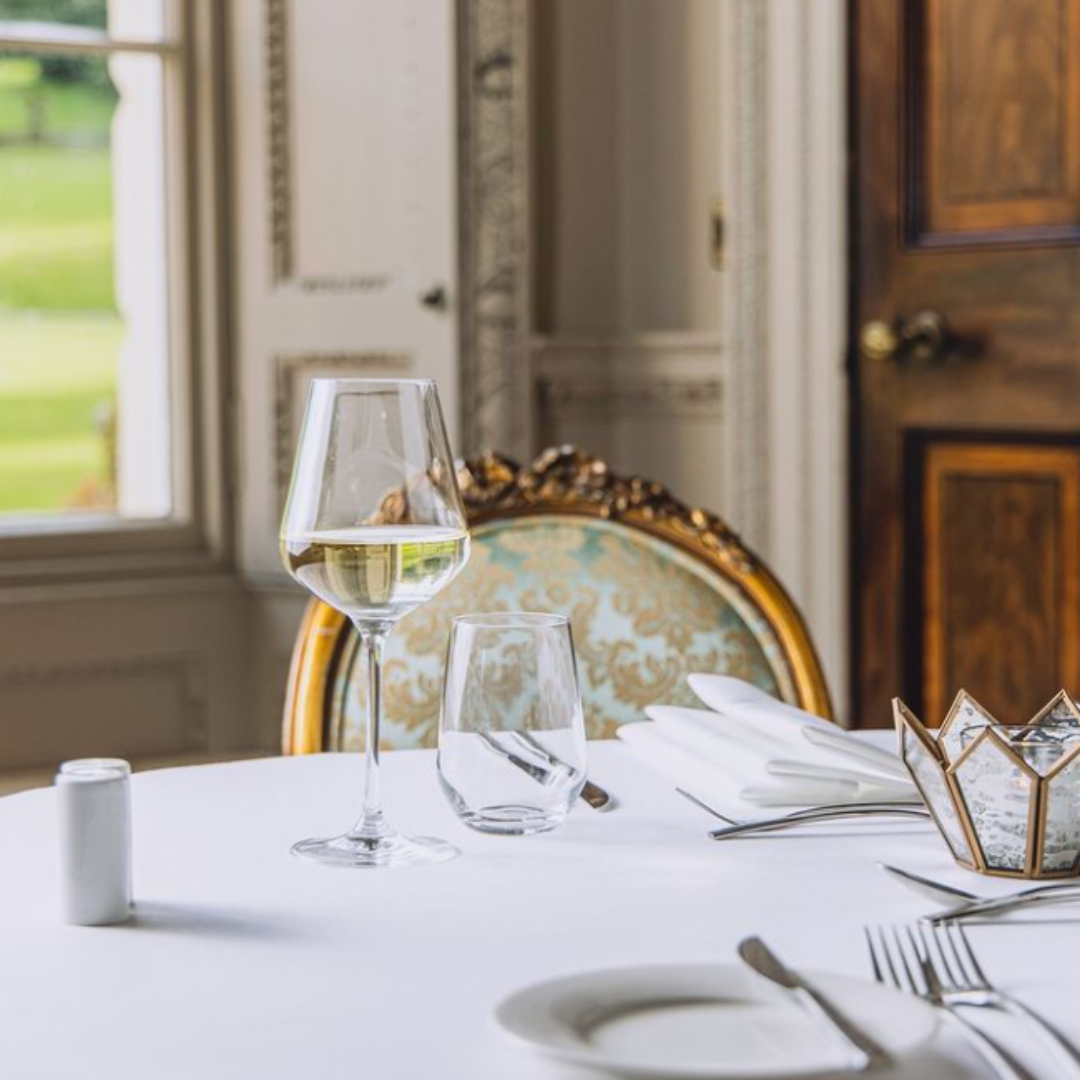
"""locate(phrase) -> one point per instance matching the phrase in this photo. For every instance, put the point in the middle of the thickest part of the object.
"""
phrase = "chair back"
(655, 591)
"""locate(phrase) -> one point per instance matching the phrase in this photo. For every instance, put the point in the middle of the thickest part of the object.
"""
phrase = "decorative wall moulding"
(660, 397)
(644, 345)
(282, 197)
(494, 226)
(359, 283)
(292, 374)
(745, 284)
(187, 671)
(277, 112)
(653, 374)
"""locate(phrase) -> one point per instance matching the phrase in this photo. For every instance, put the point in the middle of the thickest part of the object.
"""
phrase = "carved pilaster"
(496, 379)
(745, 282)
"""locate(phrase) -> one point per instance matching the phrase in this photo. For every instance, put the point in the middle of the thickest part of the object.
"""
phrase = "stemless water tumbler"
(511, 738)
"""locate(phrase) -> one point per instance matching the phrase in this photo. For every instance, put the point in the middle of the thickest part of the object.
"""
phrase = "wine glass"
(374, 526)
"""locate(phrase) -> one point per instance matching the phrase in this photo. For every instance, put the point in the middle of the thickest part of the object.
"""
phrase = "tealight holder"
(1005, 797)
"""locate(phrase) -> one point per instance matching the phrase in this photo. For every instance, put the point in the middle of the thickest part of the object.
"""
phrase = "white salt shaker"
(93, 798)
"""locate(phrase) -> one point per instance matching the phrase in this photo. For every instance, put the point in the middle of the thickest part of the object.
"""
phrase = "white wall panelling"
(737, 403)
(494, 183)
(345, 216)
(627, 169)
(773, 432)
(651, 401)
(784, 335)
(134, 669)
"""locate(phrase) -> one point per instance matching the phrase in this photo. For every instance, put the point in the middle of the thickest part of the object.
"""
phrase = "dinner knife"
(864, 1051)
(540, 775)
(591, 793)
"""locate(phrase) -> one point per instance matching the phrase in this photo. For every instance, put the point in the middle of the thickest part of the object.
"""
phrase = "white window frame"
(198, 537)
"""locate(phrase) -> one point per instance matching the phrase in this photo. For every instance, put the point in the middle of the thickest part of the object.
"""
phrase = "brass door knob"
(923, 337)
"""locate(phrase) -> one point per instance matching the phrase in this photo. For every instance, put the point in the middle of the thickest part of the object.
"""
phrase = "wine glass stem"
(372, 824)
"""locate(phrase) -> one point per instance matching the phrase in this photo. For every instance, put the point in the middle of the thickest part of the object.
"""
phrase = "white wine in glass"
(374, 526)
(378, 572)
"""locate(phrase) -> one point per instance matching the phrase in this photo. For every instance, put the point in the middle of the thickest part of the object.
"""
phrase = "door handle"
(435, 298)
(923, 337)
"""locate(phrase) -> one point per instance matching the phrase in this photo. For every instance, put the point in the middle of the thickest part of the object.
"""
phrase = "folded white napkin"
(751, 747)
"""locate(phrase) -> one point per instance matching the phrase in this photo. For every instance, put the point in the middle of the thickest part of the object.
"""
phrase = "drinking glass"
(374, 526)
(511, 734)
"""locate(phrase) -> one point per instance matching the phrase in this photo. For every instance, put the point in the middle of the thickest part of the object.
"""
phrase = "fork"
(965, 983)
(809, 816)
(909, 969)
(969, 903)
(1060, 894)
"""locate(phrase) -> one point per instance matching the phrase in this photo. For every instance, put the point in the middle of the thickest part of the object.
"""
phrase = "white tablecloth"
(244, 962)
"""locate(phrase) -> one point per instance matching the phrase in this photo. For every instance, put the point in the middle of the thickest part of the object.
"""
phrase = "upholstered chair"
(655, 590)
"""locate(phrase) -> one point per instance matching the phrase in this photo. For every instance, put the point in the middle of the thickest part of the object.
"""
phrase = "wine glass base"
(383, 851)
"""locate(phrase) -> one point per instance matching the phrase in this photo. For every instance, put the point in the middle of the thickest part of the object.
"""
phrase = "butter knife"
(863, 1051)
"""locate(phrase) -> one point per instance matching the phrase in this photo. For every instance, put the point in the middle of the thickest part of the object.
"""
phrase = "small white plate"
(704, 1020)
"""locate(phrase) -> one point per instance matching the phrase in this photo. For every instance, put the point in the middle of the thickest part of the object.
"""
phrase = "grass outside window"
(60, 332)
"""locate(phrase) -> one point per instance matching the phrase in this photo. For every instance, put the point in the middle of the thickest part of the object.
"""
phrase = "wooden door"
(965, 443)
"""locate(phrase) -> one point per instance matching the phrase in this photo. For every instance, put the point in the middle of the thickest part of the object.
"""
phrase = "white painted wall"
(627, 147)
(344, 199)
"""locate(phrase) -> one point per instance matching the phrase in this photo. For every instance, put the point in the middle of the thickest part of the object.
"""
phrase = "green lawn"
(57, 375)
(63, 110)
(59, 332)
(55, 229)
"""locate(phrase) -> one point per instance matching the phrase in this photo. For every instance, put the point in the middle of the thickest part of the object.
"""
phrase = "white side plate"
(704, 1020)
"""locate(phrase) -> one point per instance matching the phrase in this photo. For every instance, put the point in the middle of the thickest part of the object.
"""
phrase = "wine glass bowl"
(374, 526)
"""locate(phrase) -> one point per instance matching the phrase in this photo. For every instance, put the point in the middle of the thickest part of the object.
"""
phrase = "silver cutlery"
(965, 983)
(591, 793)
(811, 815)
(863, 1051)
(998, 905)
(974, 903)
(936, 890)
(539, 774)
(897, 959)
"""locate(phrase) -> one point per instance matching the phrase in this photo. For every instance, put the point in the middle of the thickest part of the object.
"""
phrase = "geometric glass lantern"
(1005, 797)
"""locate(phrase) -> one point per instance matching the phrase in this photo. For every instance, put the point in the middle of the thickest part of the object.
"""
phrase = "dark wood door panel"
(965, 126)
(992, 554)
(993, 101)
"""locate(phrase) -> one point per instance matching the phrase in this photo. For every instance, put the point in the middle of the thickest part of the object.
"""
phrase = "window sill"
(27, 779)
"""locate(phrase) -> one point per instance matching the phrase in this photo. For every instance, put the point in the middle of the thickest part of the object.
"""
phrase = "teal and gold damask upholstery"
(653, 593)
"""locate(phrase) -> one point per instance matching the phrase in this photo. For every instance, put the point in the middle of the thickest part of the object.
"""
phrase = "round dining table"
(242, 961)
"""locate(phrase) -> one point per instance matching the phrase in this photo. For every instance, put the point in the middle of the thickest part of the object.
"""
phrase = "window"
(96, 364)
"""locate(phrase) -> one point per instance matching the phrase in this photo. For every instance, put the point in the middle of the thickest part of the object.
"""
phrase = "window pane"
(84, 417)
(138, 19)
(92, 13)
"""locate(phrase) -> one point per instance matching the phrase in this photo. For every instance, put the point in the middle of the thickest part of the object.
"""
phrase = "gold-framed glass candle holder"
(1005, 797)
